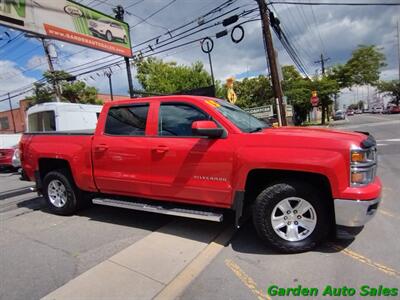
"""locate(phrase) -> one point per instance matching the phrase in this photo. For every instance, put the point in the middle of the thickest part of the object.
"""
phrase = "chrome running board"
(158, 208)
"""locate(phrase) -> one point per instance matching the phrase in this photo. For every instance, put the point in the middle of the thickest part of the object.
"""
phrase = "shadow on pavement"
(246, 240)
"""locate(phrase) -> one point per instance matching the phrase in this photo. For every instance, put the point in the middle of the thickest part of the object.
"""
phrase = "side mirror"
(207, 128)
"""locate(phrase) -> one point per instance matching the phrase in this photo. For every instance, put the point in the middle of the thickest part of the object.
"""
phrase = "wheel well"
(47, 165)
(258, 179)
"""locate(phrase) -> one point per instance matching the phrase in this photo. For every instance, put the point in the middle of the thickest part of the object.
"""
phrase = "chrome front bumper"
(355, 213)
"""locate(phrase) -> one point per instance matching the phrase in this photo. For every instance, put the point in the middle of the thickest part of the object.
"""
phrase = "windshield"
(243, 120)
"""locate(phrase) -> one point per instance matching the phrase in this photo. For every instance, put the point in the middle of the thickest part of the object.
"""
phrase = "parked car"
(394, 110)
(339, 115)
(107, 29)
(377, 110)
(358, 111)
(199, 157)
(9, 150)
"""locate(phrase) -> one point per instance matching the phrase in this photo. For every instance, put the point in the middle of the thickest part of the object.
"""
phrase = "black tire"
(74, 197)
(109, 36)
(269, 198)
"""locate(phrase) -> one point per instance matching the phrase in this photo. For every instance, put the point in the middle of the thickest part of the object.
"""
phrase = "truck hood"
(311, 137)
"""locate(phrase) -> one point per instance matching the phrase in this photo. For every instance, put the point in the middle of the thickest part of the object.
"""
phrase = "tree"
(363, 68)
(326, 88)
(365, 64)
(160, 77)
(74, 92)
(298, 92)
(42, 94)
(79, 92)
(252, 92)
(391, 88)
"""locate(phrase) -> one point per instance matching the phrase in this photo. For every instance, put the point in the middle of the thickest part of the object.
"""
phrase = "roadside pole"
(51, 69)
(129, 74)
(119, 15)
(271, 59)
(398, 46)
(109, 74)
(11, 112)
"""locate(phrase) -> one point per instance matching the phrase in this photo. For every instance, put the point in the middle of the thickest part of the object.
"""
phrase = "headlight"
(362, 166)
(362, 176)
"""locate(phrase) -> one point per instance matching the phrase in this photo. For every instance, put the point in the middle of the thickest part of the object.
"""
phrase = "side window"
(42, 121)
(129, 120)
(176, 119)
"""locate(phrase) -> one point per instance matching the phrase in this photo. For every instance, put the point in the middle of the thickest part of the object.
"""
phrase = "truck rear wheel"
(60, 192)
(291, 216)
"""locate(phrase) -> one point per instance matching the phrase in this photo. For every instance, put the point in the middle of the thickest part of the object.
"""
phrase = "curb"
(16, 192)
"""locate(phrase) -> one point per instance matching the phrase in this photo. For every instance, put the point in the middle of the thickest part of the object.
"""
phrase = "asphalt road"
(246, 268)
(39, 251)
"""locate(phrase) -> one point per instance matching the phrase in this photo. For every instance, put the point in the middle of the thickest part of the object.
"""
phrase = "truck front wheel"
(60, 192)
(292, 216)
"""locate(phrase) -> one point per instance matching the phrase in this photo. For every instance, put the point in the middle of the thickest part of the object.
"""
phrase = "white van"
(58, 116)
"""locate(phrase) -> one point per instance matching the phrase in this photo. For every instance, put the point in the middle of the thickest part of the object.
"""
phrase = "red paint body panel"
(193, 169)
(6, 155)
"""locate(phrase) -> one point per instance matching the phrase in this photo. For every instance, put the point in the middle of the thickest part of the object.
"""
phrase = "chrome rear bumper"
(355, 213)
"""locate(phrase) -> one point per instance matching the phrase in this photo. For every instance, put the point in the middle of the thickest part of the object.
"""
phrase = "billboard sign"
(68, 21)
(261, 112)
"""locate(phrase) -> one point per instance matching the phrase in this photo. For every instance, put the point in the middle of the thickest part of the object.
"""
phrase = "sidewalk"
(146, 268)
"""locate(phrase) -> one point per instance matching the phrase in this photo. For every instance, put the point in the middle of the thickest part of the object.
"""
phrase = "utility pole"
(322, 62)
(11, 112)
(109, 74)
(119, 15)
(398, 46)
(51, 69)
(271, 59)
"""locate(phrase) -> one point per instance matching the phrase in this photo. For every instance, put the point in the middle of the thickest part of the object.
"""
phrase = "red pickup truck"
(200, 157)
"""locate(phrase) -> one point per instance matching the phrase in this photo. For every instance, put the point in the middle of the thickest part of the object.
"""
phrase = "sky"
(334, 31)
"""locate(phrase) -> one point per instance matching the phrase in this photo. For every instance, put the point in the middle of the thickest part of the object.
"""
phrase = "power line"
(336, 3)
(111, 62)
(317, 28)
(11, 40)
(290, 34)
(154, 13)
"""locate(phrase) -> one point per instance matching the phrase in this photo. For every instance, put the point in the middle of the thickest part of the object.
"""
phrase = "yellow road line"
(366, 260)
(246, 279)
(387, 213)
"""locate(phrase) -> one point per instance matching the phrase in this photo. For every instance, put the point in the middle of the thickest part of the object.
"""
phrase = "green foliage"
(157, 76)
(362, 68)
(42, 94)
(365, 64)
(252, 92)
(74, 92)
(391, 88)
(79, 92)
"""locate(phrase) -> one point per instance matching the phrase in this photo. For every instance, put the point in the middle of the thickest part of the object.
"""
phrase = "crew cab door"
(121, 152)
(185, 167)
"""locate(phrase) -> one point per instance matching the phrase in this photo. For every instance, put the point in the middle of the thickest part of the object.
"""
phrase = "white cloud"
(11, 78)
(37, 62)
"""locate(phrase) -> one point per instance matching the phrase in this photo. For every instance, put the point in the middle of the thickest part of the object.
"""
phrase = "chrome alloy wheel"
(293, 219)
(57, 193)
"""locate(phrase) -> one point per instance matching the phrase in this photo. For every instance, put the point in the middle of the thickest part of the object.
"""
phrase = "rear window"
(127, 120)
(42, 121)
